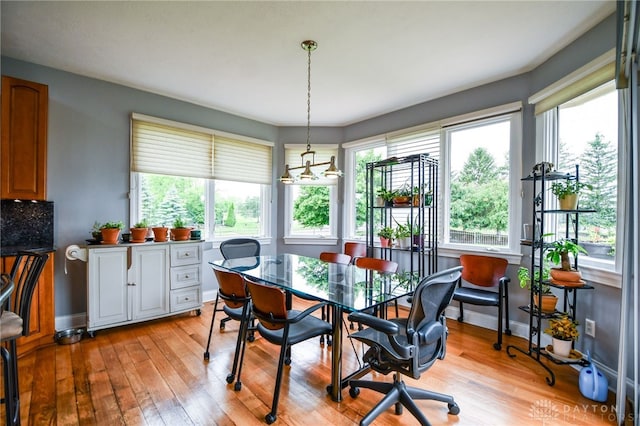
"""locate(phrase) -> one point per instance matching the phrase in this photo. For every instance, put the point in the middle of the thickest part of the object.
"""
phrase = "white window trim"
(330, 239)
(513, 252)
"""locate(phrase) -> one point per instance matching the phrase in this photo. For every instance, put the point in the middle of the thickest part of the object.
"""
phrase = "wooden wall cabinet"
(42, 320)
(24, 139)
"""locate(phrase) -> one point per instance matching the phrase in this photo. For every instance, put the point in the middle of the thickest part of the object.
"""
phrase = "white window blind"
(579, 82)
(241, 161)
(323, 154)
(166, 150)
(423, 142)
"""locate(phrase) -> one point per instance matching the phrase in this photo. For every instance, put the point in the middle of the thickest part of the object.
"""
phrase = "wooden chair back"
(331, 257)
(355, 250)
(484, 271)
(268, 303)
(231, 287)
(374, 264)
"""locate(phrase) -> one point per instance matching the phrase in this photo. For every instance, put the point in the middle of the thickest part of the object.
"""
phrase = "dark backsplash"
(26, 224)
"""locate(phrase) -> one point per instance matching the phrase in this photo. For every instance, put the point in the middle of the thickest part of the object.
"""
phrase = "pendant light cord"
(309, 99)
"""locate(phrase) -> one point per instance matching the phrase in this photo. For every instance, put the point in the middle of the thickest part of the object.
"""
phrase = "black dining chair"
(407, 346)
(14, 322)
(283, 327)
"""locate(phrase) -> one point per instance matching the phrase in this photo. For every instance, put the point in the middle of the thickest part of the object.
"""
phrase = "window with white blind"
(214, 181)
(311, 206)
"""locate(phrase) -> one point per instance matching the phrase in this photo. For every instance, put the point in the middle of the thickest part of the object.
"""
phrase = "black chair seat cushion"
(233, 313)
(307, 328)
(476, 296)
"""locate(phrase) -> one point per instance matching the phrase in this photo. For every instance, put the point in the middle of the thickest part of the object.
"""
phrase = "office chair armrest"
(306, 312)
(504, 281)
(387, 327)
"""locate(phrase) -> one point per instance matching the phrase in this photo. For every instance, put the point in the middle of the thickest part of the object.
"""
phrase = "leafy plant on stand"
(559, 251)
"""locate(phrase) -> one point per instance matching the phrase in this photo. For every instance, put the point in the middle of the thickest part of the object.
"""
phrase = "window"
(311, 206)
(481, 183)
(216, 182)
(587, 136)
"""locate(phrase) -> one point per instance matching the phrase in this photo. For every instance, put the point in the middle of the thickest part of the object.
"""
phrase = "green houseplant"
(139, 231)
(544, 299)
(563, 330)
(567, 192)
(110, 232)
(384, 197)
(558, 253)
(180, 232)
(386, 235)
(402, 234)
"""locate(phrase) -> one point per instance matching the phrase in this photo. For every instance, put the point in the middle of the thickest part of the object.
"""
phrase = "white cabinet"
(138, 282)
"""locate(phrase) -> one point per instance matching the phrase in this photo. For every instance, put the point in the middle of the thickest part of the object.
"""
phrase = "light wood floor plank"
(154, 374)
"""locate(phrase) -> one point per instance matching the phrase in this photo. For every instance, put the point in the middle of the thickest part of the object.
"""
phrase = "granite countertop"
(13, 250)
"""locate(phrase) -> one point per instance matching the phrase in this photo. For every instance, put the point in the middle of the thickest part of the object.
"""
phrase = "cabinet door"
(149, 281)
(24, 139)
(42, 317)
(107, 287)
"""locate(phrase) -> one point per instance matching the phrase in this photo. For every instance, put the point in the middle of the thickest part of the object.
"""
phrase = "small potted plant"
(95, 231)
(180, 231)
(139, 231)
(558, 254)
(386, 236)
(567, 192)
(564, 331)
(383, 197)
(543, 299)
(402, 196)
(110, 232)
(402, 234)
(160, 233)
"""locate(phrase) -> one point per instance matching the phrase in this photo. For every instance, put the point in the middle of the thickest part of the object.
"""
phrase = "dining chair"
(14, 323)
(355, 250)
(232, 291)
(283, 327)
(407, 346)
(236, 248)
(379, 265)
(484, 275)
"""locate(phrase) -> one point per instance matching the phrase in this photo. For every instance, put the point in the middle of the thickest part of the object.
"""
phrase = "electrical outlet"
(590, 327)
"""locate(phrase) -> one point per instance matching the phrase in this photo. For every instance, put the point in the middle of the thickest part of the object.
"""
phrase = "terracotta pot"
(569, 202)
(565, 276)
(110, 235)
(416, 200)
(138, 235)
(548, 304)
(160, 233)
(401, 200)
(385, 242)
(180, 234)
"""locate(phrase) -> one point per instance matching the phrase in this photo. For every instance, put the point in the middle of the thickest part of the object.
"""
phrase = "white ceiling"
(245, 58)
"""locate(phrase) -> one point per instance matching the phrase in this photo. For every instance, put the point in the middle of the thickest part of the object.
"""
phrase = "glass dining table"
(346, 288)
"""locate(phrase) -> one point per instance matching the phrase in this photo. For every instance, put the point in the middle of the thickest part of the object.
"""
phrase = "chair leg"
(284, 348)
(241, 345)
(461, 317)
(11, 390)
(507, 329)
(213, 317)
(389, 400)
(498, 345)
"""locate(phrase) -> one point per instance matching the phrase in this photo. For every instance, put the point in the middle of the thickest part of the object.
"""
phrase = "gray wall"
(88, 160)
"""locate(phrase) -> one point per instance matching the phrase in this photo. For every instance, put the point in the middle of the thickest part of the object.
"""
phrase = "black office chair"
(485, 272)
(236, 248)
(14, 323)
(408, 347)
(282, 327)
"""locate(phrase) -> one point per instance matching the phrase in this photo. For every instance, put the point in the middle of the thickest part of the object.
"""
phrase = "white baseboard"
(486, 321)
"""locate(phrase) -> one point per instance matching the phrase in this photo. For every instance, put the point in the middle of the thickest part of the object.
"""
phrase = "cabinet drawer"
(186, 298)
(185, 276)
(185, 254)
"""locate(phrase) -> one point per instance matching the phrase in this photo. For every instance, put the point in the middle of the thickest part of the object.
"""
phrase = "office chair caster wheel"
(454, 409)
(497, 346)
(354, 392)
(329, 389)
(507, 332)
(398, 409)
(206, 356)
(251, 338)
(287, 361)
(322, 340)
(221, 326)
(231, 378)
(270, 418)
(237, 386)
(198, 312)
(460, 319)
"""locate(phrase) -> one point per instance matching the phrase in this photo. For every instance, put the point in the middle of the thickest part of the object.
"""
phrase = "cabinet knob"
(187, 254)
(186, 277)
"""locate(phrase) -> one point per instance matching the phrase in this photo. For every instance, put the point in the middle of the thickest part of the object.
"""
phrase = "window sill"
(514, 258)
(323, 241)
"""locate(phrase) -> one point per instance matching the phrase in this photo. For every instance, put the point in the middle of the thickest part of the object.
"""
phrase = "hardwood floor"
(153, 373)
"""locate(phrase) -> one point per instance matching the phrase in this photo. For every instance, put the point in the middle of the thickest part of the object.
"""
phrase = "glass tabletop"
(347, 286)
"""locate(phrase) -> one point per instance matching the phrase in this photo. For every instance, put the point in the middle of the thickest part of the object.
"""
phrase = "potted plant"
(402, 196)
(402, 235)
(384, 197)
(543, 298)
(180, 231)
(110, 232)
(564, 331)
(95, 231)
(139, 231)
(160, 233)
(567, 192)
(386, 235)
(558, 253)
